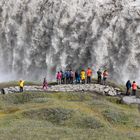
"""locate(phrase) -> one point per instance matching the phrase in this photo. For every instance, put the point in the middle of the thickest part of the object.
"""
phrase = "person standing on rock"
(21, 85)
(58, 77)
(71, 76)
(99, 73)
(62, 77)
(134, 88)
(105, 76)
(67, 75)
(77, 77)
(128, 87)
(83, 76)
(89, 74)
(45, 84)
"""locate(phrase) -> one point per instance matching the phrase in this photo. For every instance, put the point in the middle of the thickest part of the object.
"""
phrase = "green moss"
(88, 122)
(70, 116)
(72, 96)
(115, 117)
(40, 100)
(21, 98)
(54, 115)
(116, 100)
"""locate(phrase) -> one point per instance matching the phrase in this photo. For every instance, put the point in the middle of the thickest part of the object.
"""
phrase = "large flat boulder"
(131, 100)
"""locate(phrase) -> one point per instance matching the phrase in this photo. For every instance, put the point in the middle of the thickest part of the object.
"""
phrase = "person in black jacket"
(99, 73)
(128, 87)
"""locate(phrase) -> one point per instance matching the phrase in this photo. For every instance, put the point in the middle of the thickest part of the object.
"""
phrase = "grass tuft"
(54, 115)
(115, 117)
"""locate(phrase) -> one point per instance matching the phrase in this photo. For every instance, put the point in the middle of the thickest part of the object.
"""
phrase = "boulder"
(131, 100)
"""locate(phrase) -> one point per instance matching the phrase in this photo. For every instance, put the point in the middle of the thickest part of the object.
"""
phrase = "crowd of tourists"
(83, 77)
(77, 77)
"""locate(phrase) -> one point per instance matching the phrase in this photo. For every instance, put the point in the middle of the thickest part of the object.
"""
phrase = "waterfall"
(40, 37)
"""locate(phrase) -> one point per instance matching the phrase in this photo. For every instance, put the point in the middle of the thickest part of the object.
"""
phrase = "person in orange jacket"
(89, 74)
(134, 88)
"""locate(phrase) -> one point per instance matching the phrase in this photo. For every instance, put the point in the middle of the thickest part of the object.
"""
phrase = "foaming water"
(40, 37)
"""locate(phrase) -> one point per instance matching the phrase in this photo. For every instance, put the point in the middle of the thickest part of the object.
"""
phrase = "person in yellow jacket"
(21, 85)
(83, 76)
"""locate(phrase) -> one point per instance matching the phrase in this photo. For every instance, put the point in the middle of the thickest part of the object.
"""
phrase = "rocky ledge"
(101, 89)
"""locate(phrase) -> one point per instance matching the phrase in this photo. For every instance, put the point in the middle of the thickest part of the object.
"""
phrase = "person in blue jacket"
(77, 77)
(128, 87)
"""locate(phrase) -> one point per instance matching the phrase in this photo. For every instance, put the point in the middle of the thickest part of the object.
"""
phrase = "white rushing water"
(40, 37)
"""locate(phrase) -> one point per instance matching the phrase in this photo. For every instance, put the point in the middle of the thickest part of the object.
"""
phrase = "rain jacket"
(21, 83)
(83, 75)
(89, 72)
(134, 86)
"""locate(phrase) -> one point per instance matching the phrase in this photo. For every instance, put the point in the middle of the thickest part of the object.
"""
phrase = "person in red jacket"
(59, 77)
(105, 76)
(134, 88)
